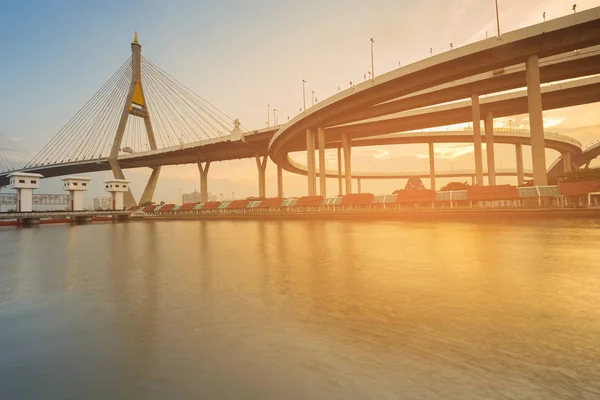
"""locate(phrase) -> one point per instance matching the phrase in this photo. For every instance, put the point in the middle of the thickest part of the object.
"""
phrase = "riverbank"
(383, 214)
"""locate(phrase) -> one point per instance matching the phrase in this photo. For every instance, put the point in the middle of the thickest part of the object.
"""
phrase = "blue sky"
(239, 55)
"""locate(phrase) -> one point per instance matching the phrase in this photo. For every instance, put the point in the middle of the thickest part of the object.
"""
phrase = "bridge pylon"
(135, 105)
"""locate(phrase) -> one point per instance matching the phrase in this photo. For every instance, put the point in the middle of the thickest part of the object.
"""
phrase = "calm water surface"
(301, 310)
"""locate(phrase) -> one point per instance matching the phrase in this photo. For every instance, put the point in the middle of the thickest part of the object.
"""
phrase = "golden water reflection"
(323, 309)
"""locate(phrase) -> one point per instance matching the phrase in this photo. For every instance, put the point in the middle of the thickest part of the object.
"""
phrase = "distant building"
(193, 197)
(102, 203)
(41, 202)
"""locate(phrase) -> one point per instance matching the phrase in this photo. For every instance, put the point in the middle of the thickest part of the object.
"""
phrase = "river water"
(301, 310)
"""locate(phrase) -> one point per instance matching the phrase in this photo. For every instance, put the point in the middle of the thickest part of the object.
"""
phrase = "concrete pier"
(322, 162)
(203, 169)
(310, 158)
(346, 144)
(432, 165)
(261, 164)
(489, 148)
(520, 171)
(536, 121)
(477, 139)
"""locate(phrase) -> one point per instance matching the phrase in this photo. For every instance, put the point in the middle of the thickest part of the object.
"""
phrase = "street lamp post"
(232, 195)
(497, 19)
(269, 115)
(372, 62)
(303, 95)
(313, 97)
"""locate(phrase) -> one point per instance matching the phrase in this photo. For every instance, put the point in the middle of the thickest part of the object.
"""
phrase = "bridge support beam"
(346, 144)
(339, 162)
(128, 199)
(262, 168)
(279, 182)
(432, 165)
(475, 112)
(310, 161)
(322, 163)
(566, 159)
(520, 172)
(148, 193)
(489, 146)
(203, 180)
(536, 122)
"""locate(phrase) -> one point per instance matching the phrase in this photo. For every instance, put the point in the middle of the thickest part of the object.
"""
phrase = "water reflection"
(303, 309)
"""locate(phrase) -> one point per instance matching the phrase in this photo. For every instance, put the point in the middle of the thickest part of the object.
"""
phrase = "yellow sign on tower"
(137, 96)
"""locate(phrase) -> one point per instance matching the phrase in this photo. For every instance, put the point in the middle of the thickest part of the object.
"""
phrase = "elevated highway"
(353, 113)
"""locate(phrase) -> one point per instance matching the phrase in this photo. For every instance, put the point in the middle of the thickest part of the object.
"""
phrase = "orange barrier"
(186, 207)
(309, 201)
(498, 192)
(268, 203)
(572, 189)
(211, 205)
(166, 207)
(358, 199)
(237, 205)
(415, 196)
(149, 208)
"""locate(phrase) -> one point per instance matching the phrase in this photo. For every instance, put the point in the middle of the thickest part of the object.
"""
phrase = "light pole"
(275, 117)
(232, 195)
(574, 8)
(372, 62)
(313, 97)
(544, 16)
(221, 196)
(497, 19)
(269, 115)
(303, 95)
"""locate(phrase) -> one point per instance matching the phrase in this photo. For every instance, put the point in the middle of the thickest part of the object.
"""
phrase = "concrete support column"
(203, 180)
(279, 182)
(520, 172)
(322, 163)
(566, 158)
(472, 180)
(489, 145)
(262, 168)
(118, 174)
(346, 145)
(150, 186)
(339, 160)
(477, 139)
(310, 158)
(432, 165)
(536, 122)
(358, 187)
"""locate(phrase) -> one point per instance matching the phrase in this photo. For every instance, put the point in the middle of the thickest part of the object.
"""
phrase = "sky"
(241, 56)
